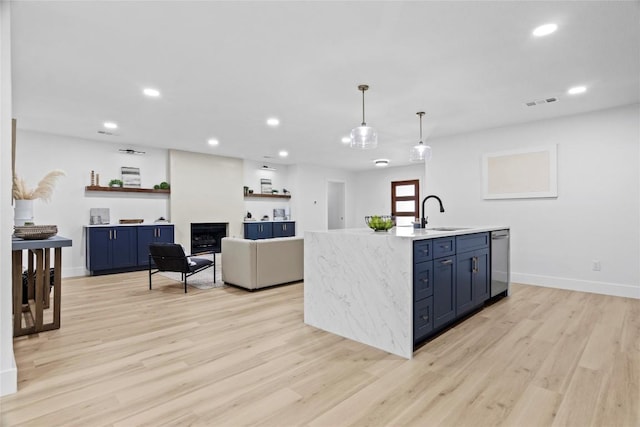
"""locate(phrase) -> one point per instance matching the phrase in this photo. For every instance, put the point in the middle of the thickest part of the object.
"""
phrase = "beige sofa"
(254, 264)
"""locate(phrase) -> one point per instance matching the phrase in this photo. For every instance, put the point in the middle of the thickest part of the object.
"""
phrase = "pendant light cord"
(420, 114)
(363, 122)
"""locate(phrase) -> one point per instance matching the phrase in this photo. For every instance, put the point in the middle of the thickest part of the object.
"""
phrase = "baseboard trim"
(9, 379)
(74, 272)
(614, 289)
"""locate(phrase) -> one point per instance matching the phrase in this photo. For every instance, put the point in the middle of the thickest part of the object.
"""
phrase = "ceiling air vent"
(541, 101)
(104, 132)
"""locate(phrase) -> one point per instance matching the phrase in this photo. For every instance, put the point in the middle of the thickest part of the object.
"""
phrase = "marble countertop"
(419, 233)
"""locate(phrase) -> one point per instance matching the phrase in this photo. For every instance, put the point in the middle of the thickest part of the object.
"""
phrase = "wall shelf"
(125, 189)
(268, 196)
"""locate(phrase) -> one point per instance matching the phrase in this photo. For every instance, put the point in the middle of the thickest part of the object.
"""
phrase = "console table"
(38, 287)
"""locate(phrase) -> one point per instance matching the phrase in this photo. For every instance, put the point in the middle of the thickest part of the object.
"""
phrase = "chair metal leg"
(185, 283)
(214, 267)
(149, 272)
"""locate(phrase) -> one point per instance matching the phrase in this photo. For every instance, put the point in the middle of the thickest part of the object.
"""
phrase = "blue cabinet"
(111, 248)
(472, 271)
(450, 279)
(284, 229)
(119, 249)
(258, 230)
(148, 234)
(268, 229)
(444, 297)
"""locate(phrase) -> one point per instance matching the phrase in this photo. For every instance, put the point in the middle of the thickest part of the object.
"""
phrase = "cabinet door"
(422, 319)
(465, 272)
(444, 279)
(284, 229)
(165, 233)
(422, 280)
(99, 248)
(146, 236)
(251, 231)
(124, 247)
(265, 230)
(481, 280)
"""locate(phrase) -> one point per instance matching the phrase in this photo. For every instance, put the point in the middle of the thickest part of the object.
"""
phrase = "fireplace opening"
(207, 236)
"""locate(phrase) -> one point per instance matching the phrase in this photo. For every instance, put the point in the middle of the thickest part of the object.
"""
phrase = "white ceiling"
(224, 67)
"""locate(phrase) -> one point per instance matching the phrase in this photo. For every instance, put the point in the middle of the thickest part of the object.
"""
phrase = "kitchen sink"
(448, 228)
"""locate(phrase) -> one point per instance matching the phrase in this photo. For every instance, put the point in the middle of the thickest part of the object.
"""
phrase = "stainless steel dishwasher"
(500, 268)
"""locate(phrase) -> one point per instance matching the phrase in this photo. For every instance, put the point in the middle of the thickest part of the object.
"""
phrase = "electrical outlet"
(595, 265)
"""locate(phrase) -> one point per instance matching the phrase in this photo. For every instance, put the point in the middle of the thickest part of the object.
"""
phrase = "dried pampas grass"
(43, 191)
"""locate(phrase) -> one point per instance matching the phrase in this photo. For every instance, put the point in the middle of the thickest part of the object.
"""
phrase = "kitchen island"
(393, 290)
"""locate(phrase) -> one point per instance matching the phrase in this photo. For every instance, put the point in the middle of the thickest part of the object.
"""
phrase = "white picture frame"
(518, 174)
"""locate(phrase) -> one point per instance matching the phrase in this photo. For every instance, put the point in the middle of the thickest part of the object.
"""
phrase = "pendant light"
(420, 152)
(363, 136)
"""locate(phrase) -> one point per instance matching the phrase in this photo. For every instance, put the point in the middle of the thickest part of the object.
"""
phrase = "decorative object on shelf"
(246, 190)
(115, 183)
(99, 216)
(265, 186)
(250, 191)
(161, 219)
(131, 177)
(363, 136)
(24, 196)
(249, 215)
(97, 180)
(285, 191)
(131, 221)
(274, 191)
(93, 178)
(35, 232)
(156, 187)
(164, 185)
(420, 152)
(379, 222)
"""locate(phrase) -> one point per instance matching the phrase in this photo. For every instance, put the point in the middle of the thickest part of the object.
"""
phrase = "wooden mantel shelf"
(125, 189)
(268, 196)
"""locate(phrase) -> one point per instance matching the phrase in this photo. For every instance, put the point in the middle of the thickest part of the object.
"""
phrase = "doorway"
(335, 205)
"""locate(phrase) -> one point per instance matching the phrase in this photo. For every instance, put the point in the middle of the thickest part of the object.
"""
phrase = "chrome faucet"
(423, 220)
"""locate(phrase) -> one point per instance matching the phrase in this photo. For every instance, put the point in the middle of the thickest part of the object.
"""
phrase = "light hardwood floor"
(127, 356)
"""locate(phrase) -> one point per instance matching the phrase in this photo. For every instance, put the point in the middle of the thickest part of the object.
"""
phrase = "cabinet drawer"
(422, 280)
(470, 242)
(422, 319)
(422, 251)
(444, 246)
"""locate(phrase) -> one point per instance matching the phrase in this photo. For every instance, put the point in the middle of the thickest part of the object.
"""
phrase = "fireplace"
(207, 236)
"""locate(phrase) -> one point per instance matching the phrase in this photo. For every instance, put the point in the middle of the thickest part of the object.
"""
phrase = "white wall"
(38, 153)
(309, 196)
(253, 173)
(373, 189)
(8, 370)
(205, 188)
(554, 241)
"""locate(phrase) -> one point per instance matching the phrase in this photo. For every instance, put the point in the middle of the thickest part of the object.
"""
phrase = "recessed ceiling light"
(273, 122)
(545, 30)
(154, 93)
(213, 142)
(110, 125)
(576, 90)
(346, 140)
(381, 162)
(283, 153)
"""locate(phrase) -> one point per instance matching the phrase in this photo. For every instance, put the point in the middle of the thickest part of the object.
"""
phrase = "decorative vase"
(23, 212)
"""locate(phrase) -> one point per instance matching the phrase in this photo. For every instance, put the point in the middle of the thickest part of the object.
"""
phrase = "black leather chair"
(171, 257)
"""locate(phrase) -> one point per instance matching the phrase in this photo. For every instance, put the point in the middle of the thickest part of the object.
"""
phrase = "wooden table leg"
(16, 272)
(46, 289)
(57, 287)
(31, 288)
(39, 288)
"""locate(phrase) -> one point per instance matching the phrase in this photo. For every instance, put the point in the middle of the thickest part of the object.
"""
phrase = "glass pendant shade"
(420, 152)
(364, 137)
